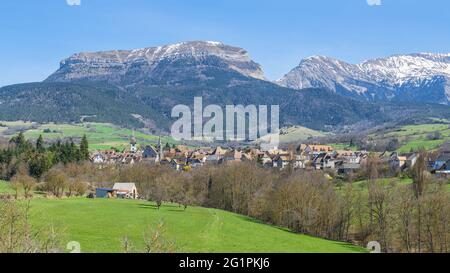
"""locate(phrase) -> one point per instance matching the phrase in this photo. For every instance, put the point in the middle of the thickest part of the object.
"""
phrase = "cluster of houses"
(441, 165)
(305, 156)
(438, 163)
(317, 157)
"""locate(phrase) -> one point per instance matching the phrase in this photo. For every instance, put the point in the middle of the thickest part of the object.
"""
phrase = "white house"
(98, 158)
(126, 190)
(281, 161)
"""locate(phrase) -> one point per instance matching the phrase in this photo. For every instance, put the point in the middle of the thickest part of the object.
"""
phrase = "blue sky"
(37, 34)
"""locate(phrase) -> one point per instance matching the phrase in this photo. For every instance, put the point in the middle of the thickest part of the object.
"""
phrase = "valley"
(105, 136)
(196, 133)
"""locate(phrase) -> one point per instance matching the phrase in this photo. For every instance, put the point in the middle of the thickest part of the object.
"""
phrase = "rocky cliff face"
(165, 64)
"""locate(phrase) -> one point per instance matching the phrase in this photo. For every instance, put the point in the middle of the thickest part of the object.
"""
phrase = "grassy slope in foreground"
(99, 225)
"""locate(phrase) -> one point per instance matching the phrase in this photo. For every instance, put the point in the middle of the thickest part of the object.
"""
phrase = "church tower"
(133, 144)
(160, 149)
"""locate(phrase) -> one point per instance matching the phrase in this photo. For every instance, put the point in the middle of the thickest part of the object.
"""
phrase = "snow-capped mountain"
(423, 77)
(117, 86)
(173, 63)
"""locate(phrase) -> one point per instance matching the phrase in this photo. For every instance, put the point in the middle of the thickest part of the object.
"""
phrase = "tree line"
(21, 156)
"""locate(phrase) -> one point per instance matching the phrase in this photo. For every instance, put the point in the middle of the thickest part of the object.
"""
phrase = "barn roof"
(104, 189)
(124, 186)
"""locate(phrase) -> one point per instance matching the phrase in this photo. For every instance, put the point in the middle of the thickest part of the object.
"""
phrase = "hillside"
(413, 137)
(101, 136)
(295, 134)
(69, 102)
(100, 225)
(65, 102)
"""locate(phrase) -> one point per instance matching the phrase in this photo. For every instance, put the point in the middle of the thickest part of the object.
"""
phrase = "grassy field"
(100, 224)
(5, 188)
(411, 137)
(343, 146)
(298, 133)
(362, 185)
(101, 136)
(414, 137)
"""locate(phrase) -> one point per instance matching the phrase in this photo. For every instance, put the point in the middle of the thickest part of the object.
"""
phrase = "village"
(304, 156)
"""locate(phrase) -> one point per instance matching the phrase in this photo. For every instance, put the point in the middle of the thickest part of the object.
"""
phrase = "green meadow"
(298, 134)
(411, 137)
(343, 146)
(362, 185)
(5, 188)
(101, 136)
(100, 225)
(414, 137)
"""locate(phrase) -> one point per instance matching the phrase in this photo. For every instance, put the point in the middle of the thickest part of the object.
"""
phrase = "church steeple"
(133, 144)
(160, 149)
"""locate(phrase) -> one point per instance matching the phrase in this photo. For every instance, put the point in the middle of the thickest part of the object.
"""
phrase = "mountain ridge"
(385, 79)
(153, 63)
(118, 85)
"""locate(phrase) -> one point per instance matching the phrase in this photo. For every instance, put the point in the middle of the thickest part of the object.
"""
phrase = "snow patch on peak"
(214, 43)
(173, 47)
(382, 76)
(398, 69)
